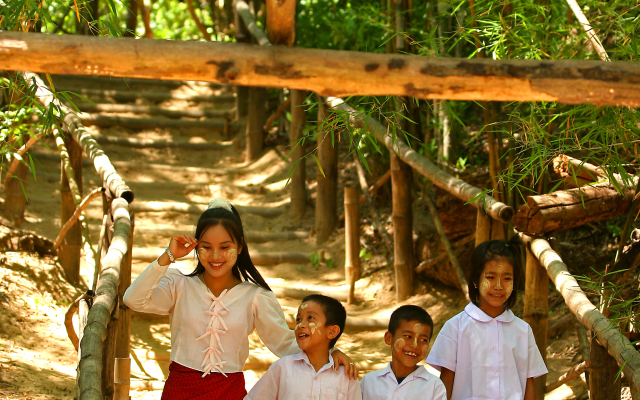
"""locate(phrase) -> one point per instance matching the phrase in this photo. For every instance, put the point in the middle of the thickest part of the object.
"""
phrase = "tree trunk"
(401, 177)
(604, 382)
(562, 210)
(352, 240)
(298, 178)
(132, 18)
(16, 202)
(536, 311)
(327, 72)
(257, 118)
(327, 189)
(483, 226)
(69, 251)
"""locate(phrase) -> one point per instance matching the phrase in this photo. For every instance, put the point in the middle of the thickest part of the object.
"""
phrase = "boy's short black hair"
(334, 312)
(409, 313)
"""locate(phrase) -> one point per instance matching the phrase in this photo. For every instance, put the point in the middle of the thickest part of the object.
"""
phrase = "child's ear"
(333, 331)
(388, 337)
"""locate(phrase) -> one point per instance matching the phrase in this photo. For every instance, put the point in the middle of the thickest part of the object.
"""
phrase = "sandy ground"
(38, 361)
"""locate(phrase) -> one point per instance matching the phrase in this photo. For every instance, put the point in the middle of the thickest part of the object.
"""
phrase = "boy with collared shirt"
(310, 374)
(408, 335)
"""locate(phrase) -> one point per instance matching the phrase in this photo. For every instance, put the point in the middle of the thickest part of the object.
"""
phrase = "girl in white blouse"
(213, 310)
(486, 352)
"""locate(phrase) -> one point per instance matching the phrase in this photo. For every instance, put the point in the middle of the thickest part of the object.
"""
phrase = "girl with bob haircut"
(214, 309)
(486, 351)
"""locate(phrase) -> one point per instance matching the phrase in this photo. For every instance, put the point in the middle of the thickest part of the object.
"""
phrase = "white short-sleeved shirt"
(492, 357)
(418, 385)
(294, 378)
(209, 333)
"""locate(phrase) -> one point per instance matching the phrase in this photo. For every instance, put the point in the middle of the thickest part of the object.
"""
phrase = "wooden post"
(401, 177)
(604, 382)
(69, 251)
(327, 190)
(483, 226)
(298, 179)
(256, 120)
(536, 310)
(123, 345)
(16, 202)
(352, 239)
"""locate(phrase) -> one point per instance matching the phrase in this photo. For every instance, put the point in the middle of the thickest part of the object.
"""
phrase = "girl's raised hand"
(180, 246)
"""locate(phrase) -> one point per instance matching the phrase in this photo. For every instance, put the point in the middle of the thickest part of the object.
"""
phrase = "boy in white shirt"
(310, 374)
(408, 335)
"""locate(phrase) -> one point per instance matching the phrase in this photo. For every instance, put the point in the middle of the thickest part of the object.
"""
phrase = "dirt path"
(35, 354)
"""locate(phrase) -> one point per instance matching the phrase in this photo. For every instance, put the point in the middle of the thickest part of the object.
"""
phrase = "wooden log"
(402, 216)
(457, 248)
(262, 259)
(21, 151)
(123, 332)
(616, 344)
(374, 214)
(255, 123)
(123, 96)
(327, 72)
(89, 145)
(536, 310)
(160, 144)
(281, 21)
(16, 202)
(422, 165)
(298, 185)
(194, 208)
(567, 167)
(145, 123)
(568, 376)
(243, 10)
(352, 270)
(464, 285)
(566, 209)
(275, 115)
(604, 382)
(153, 110)
(76, 214)
(90, 368)
(326, 217)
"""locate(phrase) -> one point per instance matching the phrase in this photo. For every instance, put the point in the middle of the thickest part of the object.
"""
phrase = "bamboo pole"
(16, 202)
(352, 240)
(76, 215)
(14, 164)
(203, 29)
(298, 186)
(242, 92)
(90, 367)
(326, 217)
(256, 120)
(103, 166)
(422, 165)
(242, 8)
(536, 310)
(591, 34)
(616, 344)
(68, 319)
(123, 334)
(402, 216)
(327, 72)
(604, 381)
(83, 312)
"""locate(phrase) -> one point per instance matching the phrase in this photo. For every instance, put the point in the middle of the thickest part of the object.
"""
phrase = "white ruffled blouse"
(209, 333)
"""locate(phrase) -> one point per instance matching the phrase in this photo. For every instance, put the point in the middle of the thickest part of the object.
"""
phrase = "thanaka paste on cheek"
(318, 325)
(232, 256)
(399, 344)
(509, 289)
(484, 286)
(312, 326)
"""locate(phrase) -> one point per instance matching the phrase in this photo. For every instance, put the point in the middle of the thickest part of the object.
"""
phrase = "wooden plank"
(327, 72)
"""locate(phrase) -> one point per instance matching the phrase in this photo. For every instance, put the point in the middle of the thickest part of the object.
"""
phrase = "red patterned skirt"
(185, 383)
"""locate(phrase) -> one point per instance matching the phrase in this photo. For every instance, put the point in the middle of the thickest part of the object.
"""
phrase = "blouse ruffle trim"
(216, 327)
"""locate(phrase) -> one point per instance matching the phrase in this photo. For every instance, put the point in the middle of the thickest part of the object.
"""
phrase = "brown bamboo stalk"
(275, 115)
(14, 164)
(374, 188)
(352, 240)
(616, 344)
(123, 332)
(298, 187)
(326, 215)
(568, 376)
(402, 216)
(464, 286)
(199, 25)
(327, 72)
(76, 215)
(15, 200)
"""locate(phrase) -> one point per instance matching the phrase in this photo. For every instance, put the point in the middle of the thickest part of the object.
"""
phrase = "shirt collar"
(302, 356)
(420, 372)
(476, 313)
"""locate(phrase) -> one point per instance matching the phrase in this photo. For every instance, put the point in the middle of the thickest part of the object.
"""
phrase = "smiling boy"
(310, 374)
(408, 335)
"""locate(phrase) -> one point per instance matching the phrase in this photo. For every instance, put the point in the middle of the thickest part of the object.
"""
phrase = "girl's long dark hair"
(243, 270)
(495, 250)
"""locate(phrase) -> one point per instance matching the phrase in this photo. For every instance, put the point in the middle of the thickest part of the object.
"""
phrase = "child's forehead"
(415, 326)
(311, 306)
(498, 265)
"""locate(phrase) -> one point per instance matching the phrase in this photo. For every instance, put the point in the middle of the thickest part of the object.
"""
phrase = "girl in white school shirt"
(213, 310)
(486, 352)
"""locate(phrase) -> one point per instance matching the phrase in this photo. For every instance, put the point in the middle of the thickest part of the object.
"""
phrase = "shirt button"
(496, 375)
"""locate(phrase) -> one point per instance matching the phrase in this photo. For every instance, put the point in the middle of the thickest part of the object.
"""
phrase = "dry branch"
(68, 319)
(374, 188)
(76, 215)
(101, 162)
(90, 368)
(164, 206)
(326, 72)
(276, 114)
(153, 110)
(160, 144)
(571, 374)
(14, 164)
(617, 345)
(561, 210)
(453, 185)
(145, 123)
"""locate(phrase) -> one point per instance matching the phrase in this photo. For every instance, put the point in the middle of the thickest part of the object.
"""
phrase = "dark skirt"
(188, 384)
